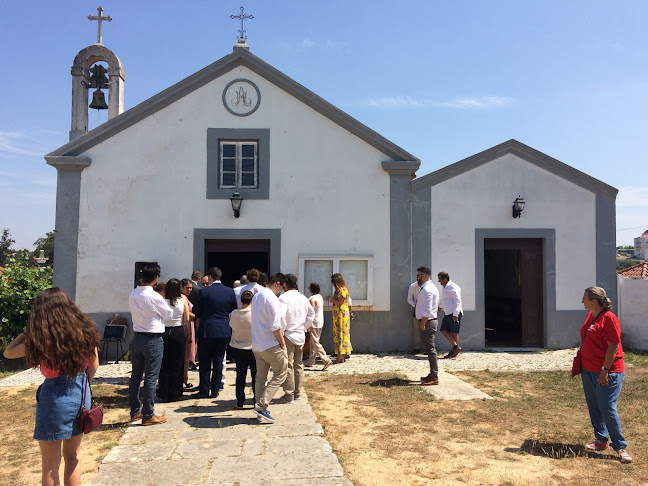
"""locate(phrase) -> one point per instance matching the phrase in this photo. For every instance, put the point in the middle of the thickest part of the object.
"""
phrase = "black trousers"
(172, 370)
(211, 352)
(244, 359)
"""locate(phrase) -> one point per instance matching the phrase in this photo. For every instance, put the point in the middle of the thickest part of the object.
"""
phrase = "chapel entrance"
(235, 257)
(513, 291)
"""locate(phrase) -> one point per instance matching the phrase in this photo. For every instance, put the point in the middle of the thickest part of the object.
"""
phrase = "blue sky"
(442, 79)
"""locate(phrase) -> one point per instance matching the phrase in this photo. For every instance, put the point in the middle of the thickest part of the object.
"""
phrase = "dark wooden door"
(529, 271)
(532, 296)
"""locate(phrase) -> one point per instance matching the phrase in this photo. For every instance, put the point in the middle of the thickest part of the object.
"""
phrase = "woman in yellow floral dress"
(341, 318)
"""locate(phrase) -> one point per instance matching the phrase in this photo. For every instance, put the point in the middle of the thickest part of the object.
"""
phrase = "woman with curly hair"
(341, 318)
(63, 341)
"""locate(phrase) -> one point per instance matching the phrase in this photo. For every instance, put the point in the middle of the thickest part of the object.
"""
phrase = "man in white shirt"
(252, 276)
(425, 312)
(412, 294)
(268, 344)
(299, 317)
(451, 305)
(148, 309)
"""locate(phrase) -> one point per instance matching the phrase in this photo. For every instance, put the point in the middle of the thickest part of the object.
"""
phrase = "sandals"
(188, 385)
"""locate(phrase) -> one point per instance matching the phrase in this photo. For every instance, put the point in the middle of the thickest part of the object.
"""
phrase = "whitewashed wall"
(633, 311)
(144, 193)
(483, 197)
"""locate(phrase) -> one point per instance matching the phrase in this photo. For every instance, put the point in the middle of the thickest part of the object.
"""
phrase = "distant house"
(641, 246)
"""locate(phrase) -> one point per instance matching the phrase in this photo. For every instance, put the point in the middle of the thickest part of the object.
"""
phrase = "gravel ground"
(494, 361)
(370, 363)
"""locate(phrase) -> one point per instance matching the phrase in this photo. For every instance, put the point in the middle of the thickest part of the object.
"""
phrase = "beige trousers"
(275, 358)
(316, 349)
(292, 385)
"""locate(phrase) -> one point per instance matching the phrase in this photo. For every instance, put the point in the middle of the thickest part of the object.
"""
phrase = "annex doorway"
(513, 292)
(235, 257)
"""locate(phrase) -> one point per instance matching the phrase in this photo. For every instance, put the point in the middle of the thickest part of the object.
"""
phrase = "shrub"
(20, 282)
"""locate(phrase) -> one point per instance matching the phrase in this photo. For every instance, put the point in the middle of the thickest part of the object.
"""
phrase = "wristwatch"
(603, 368)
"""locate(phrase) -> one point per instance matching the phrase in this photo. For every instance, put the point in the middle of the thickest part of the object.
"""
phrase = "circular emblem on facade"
(241, 97)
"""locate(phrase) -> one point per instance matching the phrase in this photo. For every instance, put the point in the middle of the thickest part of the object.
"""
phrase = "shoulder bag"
(91, 418)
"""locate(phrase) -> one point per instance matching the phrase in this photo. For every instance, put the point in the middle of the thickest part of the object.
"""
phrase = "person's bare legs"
(50, 462)
(71, 450)
(453, 338)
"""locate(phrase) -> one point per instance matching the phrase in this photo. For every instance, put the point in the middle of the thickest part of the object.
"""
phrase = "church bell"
(98, 101)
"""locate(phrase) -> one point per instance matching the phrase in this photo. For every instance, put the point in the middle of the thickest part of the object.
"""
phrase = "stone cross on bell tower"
(99, 18)
(83, 61)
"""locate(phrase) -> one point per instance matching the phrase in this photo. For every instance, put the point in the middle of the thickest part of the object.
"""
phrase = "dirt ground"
(388, 432)
(20, 462)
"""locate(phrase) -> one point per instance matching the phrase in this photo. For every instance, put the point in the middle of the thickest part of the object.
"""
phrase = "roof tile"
(639, 270)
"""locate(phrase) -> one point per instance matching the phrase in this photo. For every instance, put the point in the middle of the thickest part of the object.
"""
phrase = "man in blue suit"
(212, 310)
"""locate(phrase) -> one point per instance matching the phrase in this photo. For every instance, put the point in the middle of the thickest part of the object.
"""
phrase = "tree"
(5, 247)
(622, 263)
(47, 245)
(20, 282)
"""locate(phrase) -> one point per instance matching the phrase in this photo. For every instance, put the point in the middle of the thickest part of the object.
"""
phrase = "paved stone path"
(209, 442)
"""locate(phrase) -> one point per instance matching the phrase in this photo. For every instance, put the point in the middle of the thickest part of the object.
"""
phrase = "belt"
(152, 334)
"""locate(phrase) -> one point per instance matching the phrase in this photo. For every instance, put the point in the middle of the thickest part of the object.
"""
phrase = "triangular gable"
(239, 56)
(524, 152)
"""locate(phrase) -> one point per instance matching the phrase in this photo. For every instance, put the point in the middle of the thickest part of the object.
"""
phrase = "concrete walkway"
(209, 442)
(449, 388)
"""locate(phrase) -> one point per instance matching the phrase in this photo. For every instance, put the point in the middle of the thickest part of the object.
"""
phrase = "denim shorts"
(58, 401)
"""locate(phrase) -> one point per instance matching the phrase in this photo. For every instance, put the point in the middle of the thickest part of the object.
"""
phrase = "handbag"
(577, 364)
(91, 418)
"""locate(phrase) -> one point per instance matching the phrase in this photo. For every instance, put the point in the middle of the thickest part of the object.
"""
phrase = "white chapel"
(319, 193)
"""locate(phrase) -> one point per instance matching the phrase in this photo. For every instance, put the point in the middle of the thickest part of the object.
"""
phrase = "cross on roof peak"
(99, 18)
(242, 17)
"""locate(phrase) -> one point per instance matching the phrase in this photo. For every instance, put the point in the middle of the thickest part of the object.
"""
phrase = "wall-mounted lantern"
(518, 206)
(236, 201)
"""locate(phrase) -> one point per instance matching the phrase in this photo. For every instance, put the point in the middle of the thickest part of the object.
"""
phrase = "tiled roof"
(639, 270)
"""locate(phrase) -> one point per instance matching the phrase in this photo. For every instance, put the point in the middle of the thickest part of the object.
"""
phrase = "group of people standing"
(262, 322)
(424, 298)
(601, 355)
(265, 326)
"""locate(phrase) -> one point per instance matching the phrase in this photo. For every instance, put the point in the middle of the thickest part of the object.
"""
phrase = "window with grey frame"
(239, 164)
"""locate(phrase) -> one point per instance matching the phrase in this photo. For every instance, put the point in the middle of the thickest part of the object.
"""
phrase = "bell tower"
(88, 74)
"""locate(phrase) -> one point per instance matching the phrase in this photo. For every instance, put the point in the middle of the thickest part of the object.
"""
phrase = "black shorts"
(450, 325)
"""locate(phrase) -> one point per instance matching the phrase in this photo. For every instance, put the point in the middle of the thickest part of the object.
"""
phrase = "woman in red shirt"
(63, 341)
(602, 371)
